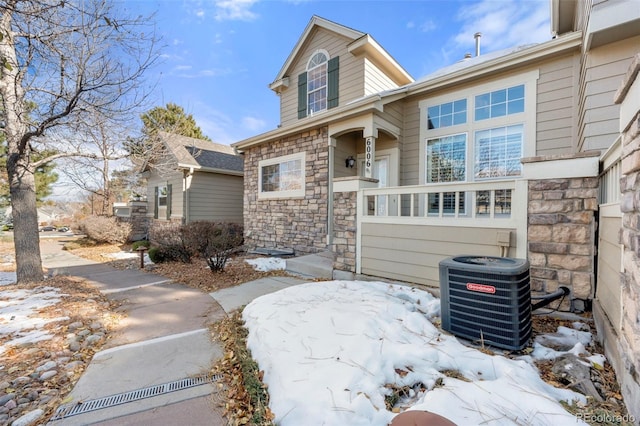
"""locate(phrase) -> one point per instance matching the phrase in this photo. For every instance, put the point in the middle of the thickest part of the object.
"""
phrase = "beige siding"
(394, 114)
(175, 180)
(375, 80)
(410, 144)
(555, 120)
(351, 74)
(215, 197)
(346, 146)
(412, 252)
(609, 290)
(602, 70)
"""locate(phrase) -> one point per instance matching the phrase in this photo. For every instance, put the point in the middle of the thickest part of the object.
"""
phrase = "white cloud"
(254, 124)
(185, 71)
(235, 10)
(221, 127)
(503, 24)
(214, 123)
(428, 26)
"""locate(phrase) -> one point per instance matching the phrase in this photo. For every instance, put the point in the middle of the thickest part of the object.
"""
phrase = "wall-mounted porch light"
(350, 162)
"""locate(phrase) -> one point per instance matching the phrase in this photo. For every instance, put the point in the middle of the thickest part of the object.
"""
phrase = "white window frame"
(527, 118)
(293, 193)
(310, 92)
(466, 153)
(162, 187)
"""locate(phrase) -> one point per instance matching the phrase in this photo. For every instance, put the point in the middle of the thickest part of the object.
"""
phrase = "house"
(47, 215)
(194, 180)
(515, 153)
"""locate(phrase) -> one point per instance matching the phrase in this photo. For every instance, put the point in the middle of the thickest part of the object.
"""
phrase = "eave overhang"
(368, 104)
(370, 49)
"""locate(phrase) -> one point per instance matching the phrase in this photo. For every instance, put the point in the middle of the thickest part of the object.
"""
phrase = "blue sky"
(220, 55)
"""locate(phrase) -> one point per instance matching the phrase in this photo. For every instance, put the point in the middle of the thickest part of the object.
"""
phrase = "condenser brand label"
(481, 288)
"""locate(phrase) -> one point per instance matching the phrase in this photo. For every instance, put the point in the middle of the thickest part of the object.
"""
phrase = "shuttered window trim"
(332, 82)
(155, 202)
(169, 187)
(302, 95)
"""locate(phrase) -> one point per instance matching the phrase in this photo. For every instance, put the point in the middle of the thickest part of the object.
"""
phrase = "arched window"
(317, 82)
(318, 85)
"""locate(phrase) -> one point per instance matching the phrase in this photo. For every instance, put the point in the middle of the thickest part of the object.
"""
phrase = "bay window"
(477, 134)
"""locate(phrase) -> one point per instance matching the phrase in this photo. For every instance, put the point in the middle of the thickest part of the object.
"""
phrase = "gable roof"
(192, 153)
(216, 160)
(361, 43)
(460, 72)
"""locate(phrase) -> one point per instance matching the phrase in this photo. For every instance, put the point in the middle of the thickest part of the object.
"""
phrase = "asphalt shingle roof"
(198, 153)
(216, 160)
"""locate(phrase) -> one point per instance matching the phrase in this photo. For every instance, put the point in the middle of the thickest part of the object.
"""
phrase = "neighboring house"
(194, 180)
(46, 215)
(512, 153)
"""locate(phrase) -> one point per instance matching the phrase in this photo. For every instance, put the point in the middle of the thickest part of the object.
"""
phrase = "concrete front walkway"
(163, 339)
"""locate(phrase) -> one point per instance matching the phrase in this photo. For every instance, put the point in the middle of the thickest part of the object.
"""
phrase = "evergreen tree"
(170, 119)
(44, 174)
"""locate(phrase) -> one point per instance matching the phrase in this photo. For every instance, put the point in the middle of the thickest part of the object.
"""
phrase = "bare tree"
(71, 60)
(92, 173)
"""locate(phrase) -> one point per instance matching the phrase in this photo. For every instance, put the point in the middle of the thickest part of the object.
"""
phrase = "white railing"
(610, 184)
(496, 201)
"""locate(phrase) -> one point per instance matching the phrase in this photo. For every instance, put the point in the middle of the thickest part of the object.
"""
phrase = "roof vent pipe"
(467, 56)
(477, 37)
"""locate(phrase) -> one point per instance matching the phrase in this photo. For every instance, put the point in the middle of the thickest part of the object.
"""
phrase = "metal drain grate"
(136, 395)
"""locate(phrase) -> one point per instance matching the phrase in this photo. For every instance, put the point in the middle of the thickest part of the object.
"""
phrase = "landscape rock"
(577, 373)
(6, 398)
(48, 374)
(29, 419)
(49, 365)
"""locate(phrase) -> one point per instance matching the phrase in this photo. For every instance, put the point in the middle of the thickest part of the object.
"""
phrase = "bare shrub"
(215, 242)
(168, 238)
(104, 229)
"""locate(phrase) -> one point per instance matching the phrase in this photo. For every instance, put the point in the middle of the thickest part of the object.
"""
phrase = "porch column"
(369, 155)
(345, 247)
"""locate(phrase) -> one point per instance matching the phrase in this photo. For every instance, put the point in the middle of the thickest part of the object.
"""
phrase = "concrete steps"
(319, 265)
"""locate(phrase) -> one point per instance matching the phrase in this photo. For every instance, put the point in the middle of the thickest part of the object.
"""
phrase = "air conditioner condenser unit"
(487, 300)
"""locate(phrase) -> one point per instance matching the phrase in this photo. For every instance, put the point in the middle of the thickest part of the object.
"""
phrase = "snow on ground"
(18, 315)
(7, 278)
(265, 264)
(129, 255)
(331, 351)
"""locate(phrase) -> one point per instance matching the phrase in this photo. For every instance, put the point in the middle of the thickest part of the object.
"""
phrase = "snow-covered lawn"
(129, 255)
(332, 351)
(265, 264)
(19, 323)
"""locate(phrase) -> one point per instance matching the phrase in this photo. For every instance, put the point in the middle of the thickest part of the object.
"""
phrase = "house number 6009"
(368, 144)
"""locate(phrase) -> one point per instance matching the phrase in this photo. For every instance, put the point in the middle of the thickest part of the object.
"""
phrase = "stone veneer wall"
(562, 229)
(629, 341)
(297, 223)
(138, 220)
(344, 231)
